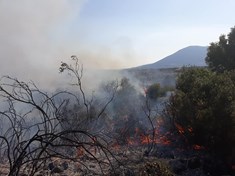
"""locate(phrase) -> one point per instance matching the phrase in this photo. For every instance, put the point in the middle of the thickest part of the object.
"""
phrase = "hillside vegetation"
(159, 122)
(204, 101)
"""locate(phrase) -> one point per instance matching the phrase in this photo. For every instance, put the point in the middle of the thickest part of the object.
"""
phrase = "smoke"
(31, 45)
(35, 36)
(117, 54)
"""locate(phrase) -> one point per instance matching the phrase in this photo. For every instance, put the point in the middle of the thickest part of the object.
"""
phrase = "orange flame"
(80, 152)
(180, 128)
(190, 129)
(145, 139)
(198, 147)
(131, 141)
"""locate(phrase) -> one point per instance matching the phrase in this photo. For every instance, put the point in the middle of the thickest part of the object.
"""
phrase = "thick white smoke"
(32, 37)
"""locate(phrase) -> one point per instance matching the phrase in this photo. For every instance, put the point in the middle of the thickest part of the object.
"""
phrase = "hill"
(189, 56)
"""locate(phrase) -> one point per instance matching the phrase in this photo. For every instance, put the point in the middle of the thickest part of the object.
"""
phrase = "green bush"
(155, 91)
(204, 102)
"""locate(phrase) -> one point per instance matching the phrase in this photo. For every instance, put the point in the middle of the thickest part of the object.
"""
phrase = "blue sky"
(147, 31)
(104, 34)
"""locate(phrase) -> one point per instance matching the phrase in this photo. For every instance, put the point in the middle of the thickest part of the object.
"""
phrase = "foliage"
(203, 105)
(127, 101)
(221, 55)
(155, 91)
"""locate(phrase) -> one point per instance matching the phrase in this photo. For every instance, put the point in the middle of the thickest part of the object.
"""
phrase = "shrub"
(204, 103)
(155, 91)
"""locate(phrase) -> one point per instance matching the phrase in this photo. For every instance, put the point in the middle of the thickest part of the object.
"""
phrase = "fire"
(198, 147)
(182, 131)
(158, 139)
(180, 128)
(116, 146)
(190, 129)
(164, 140)
(131, 141)
(159, 136)
(80, 152)
(145, 139)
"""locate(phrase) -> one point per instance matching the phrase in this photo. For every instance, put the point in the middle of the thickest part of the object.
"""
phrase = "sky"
(36, 35)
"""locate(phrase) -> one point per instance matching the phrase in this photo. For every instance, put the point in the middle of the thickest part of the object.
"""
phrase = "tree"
(127, 101)
(34, 131)
(203, 105)
(90, 110)
(221, 55)
(155, 91)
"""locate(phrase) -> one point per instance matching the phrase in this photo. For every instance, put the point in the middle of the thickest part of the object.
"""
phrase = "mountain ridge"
(189, 56)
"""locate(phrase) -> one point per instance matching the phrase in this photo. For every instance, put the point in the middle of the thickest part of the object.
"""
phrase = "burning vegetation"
(124, 133)
(67, 132)
(186, 130)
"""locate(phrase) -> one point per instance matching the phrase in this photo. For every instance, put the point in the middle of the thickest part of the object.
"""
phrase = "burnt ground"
(131, 160)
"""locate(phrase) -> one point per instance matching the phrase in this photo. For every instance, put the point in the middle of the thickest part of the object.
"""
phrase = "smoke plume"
(31, 44)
